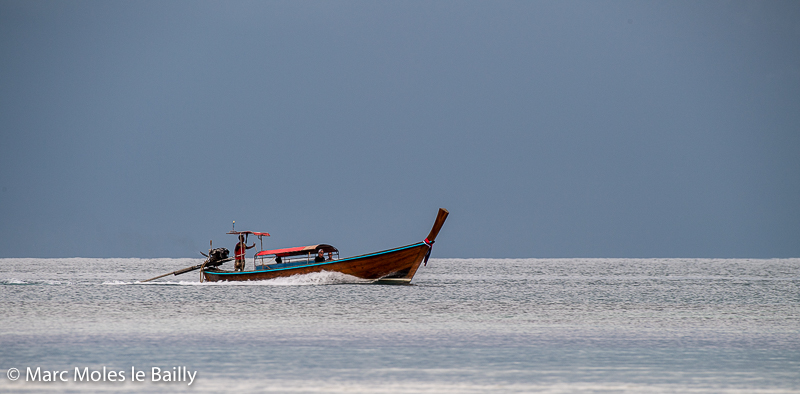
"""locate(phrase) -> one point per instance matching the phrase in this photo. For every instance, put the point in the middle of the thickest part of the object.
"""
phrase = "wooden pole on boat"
(187, 269)
(178, 272)
(437, 225)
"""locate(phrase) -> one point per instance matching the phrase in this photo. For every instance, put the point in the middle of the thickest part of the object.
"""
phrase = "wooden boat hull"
(396, 266)
(389, 266)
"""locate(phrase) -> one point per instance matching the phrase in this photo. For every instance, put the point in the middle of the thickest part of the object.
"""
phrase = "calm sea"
(463, 326)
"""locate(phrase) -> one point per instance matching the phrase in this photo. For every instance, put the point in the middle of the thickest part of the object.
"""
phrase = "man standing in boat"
(239, 252)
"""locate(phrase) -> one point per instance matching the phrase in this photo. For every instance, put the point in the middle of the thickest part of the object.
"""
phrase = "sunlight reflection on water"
(464, 325)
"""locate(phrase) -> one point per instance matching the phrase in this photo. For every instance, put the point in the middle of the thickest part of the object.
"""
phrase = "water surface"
(463, 326)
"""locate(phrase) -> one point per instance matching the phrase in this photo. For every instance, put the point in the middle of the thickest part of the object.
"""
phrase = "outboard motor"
(217, 256)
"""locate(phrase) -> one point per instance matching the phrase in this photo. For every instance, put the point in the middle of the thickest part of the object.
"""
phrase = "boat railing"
(269, 261)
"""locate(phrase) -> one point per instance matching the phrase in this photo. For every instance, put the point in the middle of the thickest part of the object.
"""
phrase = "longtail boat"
(393, 266)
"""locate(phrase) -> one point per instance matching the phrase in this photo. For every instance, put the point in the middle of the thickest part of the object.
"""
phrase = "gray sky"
(548, 129)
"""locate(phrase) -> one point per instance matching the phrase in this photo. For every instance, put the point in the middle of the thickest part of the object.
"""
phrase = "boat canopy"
(297, 251)
(256, 233)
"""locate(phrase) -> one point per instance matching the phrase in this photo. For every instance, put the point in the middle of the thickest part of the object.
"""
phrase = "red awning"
(296, 251)
(248, 232)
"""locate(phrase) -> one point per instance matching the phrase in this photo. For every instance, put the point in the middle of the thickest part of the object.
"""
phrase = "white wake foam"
(14, 281)
(314, 278)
